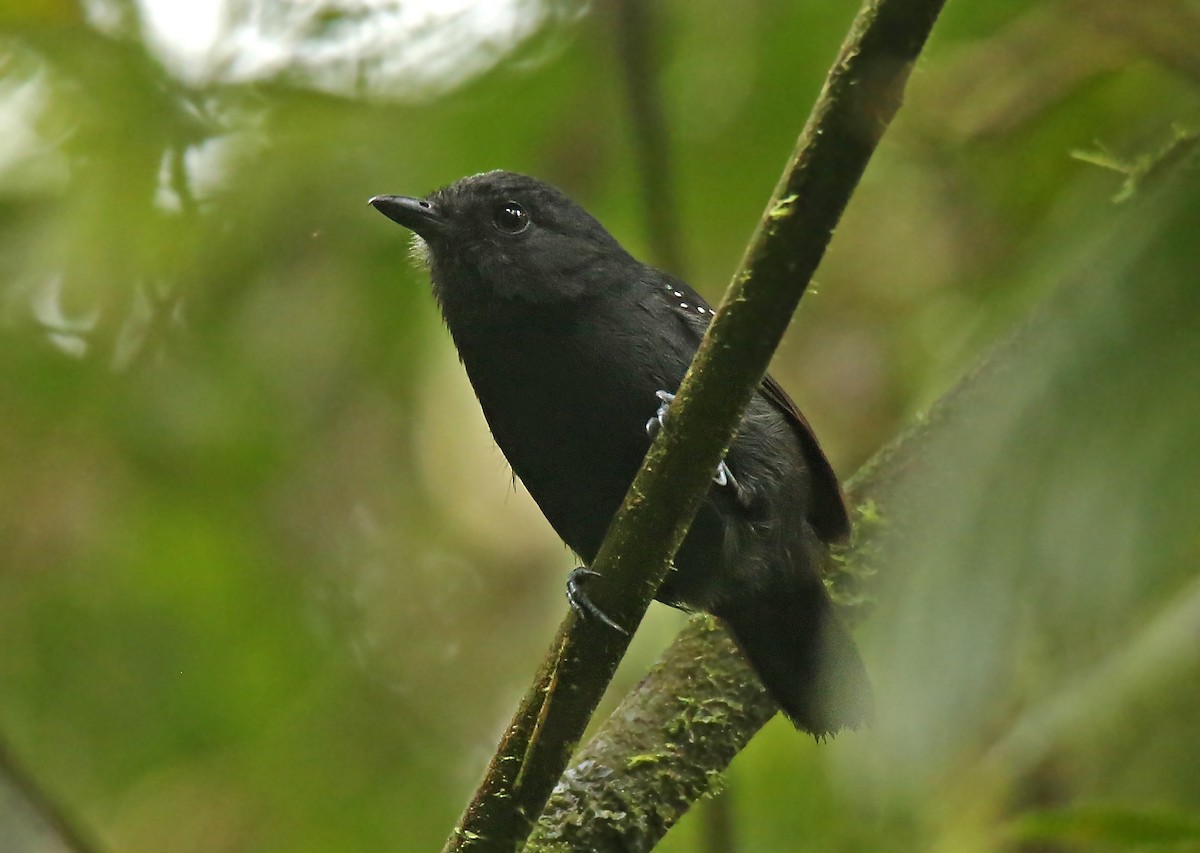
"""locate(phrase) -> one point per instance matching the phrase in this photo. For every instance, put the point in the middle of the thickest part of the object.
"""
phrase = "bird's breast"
(567, 401)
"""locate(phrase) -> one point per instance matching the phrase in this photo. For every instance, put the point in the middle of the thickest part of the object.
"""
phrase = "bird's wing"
(827, 512)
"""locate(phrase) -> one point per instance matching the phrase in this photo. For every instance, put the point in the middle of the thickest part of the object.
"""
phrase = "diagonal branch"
(860, 97)
(677, 731)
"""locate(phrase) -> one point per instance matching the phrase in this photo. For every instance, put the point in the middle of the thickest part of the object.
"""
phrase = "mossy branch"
(859, 99)
(670, 739)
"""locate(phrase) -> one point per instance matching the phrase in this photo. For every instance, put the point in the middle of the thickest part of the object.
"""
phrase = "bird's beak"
(415, 214)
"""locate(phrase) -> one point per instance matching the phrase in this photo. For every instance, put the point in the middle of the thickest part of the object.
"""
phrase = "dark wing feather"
(827, 508)
(827, 512)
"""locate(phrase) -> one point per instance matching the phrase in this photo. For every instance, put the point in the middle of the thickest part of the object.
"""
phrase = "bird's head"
(500, 237)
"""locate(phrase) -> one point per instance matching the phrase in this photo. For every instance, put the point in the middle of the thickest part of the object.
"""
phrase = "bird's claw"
(723, 476)
(656, 423)
(583, 605)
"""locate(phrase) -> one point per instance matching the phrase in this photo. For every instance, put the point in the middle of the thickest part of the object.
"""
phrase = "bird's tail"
(804, 655)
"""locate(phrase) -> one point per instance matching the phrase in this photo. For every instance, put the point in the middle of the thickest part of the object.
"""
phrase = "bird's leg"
(723, 477)
(583, 605)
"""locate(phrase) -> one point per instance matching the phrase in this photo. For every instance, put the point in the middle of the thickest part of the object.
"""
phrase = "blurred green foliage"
(265, 583)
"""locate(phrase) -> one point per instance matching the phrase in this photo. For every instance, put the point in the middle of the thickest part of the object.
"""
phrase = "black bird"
(573, 347)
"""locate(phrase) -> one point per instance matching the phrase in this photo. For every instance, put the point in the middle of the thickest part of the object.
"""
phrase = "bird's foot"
(656, 423)
(583, 605)
(723, 477)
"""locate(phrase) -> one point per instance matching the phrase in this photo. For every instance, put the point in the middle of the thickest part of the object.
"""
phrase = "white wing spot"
(677, 293)
(683, 305)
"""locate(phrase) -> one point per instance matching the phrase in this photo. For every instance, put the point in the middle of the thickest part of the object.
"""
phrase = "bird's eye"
(511, 218)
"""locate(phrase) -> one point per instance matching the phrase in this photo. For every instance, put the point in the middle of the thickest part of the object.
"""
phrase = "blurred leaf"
(19, 14)
(1109, 827)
